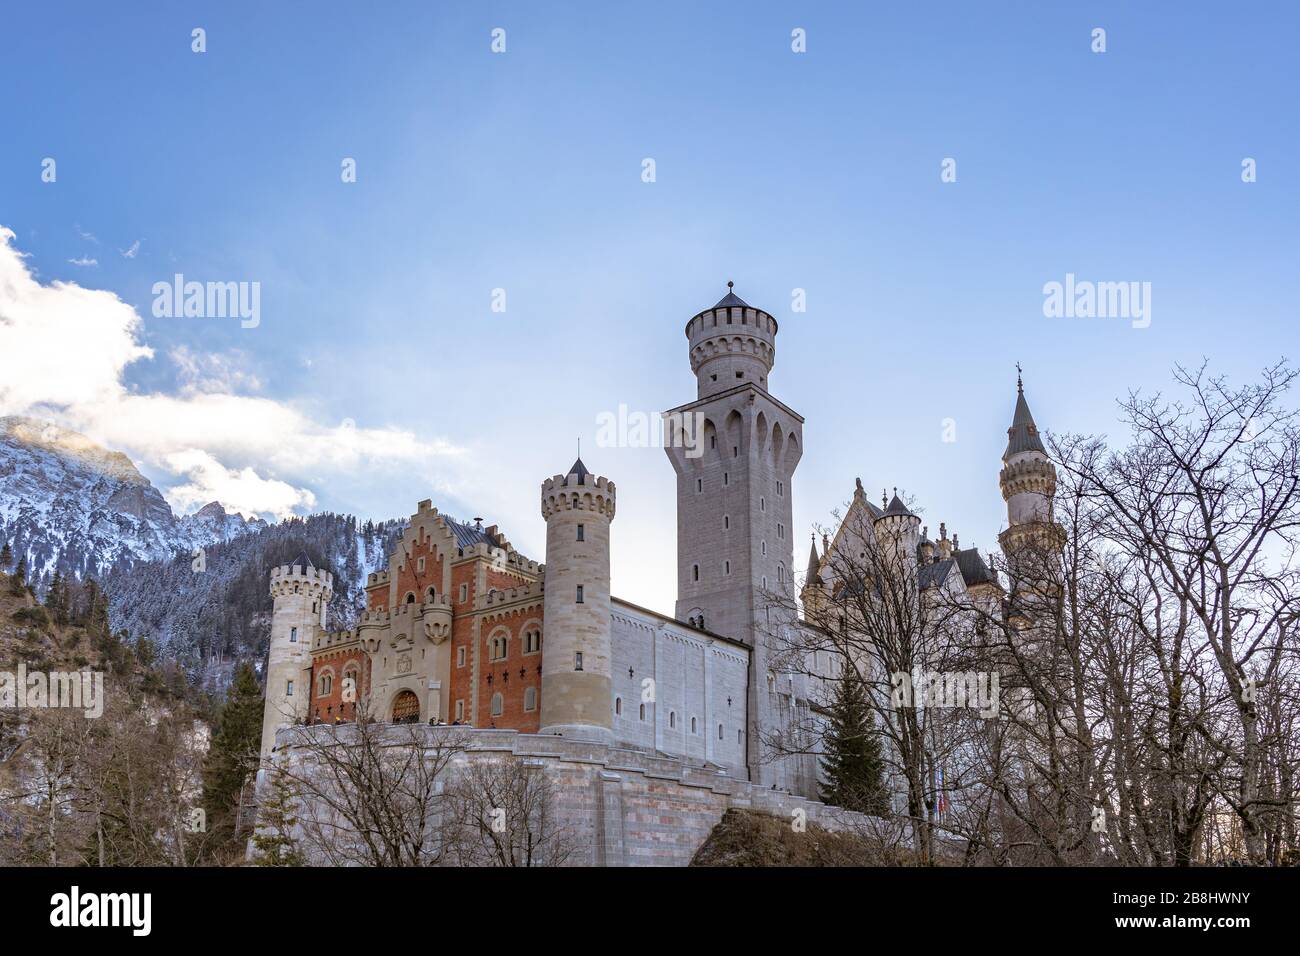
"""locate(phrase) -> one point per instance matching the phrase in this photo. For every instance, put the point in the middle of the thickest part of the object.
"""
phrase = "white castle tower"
(1032, 539)
(301, 593)
(898, 532)
(576, 686)
(735, 543)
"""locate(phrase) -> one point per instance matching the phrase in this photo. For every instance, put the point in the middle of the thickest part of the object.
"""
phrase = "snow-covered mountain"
(69, 504)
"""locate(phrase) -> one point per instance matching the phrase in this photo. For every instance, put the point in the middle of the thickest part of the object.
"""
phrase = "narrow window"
(726, 479)
(293, 635)
(719, 731)
(739, 738)
(498, 705)
(460, 657)
(577, 661)
(288, 689)
(530, 698)
(672, 718)
(726, 567)
(580, 601)
(780, 488)
(735, 451)
(699, 485)
(726, 522)
(762, 504)
(765, 547)
(694, 726)
(780, 531)
(580, 533)
(713, 441)
(460, 710)
(642, 714)
(695, 572)
(464, 593)
(618, 706)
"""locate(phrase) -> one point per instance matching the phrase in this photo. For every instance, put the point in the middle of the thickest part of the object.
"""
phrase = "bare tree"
(504, 814)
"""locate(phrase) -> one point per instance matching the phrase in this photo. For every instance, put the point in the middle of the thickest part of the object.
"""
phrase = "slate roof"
(933, 574)
(1023, 433)
(466, 534)
(973, 569)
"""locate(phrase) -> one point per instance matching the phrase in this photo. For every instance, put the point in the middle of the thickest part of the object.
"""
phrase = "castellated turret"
(731, 344)
(898, 532)
(301, 594)
(576, 682)
(1032, 539)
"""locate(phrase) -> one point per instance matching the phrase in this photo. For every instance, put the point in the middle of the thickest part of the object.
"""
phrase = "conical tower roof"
(814, 564)
(580, 470)
(1023, 433)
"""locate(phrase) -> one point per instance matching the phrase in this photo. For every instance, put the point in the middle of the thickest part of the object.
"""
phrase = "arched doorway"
(406, 708)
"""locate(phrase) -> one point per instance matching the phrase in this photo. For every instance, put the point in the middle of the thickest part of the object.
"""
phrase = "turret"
(300, 593)
(814, 592)
(731, 344)
(898, 531)
(576, 677)
(1028, 481)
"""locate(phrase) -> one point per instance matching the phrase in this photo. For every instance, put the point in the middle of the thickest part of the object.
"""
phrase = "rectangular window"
(464, 593)
(460, 657)
(726, 567)
(293, 635)
(420, 565)
(577, 661)
(580, 533)
(726, 522)
(699, 485)
(460, 710)
(726, 479)
(780, 531)
(780, 488)
(695, 572)
(580, 601)
(288, 689)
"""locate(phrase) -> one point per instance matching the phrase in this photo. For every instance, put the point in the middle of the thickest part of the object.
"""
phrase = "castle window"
(765, 580)
(695, 572)
(735, 451)
(580, 533)
(460, 657)
(460, 710)
(499, 648)
(410, 598)
(618, 706)
(740, 738)
(780, 574)
(464, 593)
(532, 642)
(726, 567)
(695, 727)
(726, 479)
(433, 595)
(577, 661)
(762, 504)
(780, 488)
(313, 607)
(699, 485)
(672, 718)
(326, 684)
(293, 635)
(580, 601)
(530, 699)
(498, 704)
(719, 731)
(713, 441)
(780, 531)
(641, 715)
(740, 375)
(419, 565)
(765, 547)
(714, 378)
(726, 522)
(288, 689)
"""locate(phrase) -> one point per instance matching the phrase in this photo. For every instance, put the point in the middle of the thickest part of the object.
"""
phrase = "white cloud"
(133, 251)
(64, 351)
(88, 236)
(84, 261)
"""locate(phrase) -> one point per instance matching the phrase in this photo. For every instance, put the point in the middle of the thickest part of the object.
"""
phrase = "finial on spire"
(884, 498)
(858, 483)
(730, 285)
(1020, 385)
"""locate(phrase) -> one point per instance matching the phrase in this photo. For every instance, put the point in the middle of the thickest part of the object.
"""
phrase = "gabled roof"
(973, 569)
(467, 535)
(933, 574)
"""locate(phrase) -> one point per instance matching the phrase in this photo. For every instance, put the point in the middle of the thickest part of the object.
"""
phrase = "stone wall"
(628, 807)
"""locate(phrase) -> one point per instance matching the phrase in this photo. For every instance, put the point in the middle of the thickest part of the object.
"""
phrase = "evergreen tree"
(18, 581)
(273, 841)
(56, 598)
(851, 763)
(6, 557)
(233, 756)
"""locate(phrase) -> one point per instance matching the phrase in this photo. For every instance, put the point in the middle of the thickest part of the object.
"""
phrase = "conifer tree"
(273, 841)
(18, 580)
(6, 557)
(851, 762)
(233, 756)
(56, 598)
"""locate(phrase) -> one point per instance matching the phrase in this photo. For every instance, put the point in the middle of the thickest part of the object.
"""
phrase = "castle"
(463, 629)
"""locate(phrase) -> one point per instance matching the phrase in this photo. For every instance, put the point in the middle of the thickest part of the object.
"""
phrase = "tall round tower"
(898, 530)
(731, 344)
(576, 685)
(1033, 539)
(301, 593)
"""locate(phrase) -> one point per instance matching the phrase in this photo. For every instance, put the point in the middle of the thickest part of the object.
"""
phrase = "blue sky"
(522, 171)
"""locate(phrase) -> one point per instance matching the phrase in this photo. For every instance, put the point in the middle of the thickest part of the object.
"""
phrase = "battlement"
(497, 597)
(376, 578)
(573, 492)
(289, 578)
(333, 640)
(1035, 475)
